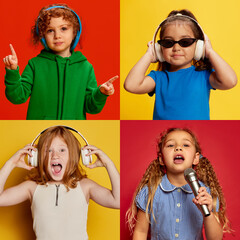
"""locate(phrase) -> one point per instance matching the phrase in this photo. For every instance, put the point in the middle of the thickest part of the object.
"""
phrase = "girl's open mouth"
(56, 168)
(178, 159)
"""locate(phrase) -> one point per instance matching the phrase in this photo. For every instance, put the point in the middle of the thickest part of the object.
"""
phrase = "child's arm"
(94, 99)
(213, 229)
(136, 82)
(101, 195)
(18, 88)
(141, 228)
(224, 76)
(21, 192)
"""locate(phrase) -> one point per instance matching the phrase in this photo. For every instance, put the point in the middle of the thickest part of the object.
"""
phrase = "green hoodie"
(60, 88)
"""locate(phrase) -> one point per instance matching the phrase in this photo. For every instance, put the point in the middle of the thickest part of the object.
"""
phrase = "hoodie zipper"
(57, 188)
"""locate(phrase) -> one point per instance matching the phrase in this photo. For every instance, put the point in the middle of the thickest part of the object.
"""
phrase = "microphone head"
(190, 175)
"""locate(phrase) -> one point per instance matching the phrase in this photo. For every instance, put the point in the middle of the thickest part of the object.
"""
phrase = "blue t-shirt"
(177, 217)
(181, 95)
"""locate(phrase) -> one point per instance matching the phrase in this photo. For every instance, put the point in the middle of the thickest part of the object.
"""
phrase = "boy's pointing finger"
(12, 50)
(112, 79)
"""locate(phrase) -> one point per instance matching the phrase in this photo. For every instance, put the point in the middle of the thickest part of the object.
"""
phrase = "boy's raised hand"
(107, 88)
(11, 61)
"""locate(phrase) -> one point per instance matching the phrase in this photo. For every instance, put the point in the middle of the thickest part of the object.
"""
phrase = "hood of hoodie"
(76, 57)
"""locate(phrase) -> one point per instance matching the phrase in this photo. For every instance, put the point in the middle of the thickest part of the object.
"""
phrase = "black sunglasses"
(185, 42)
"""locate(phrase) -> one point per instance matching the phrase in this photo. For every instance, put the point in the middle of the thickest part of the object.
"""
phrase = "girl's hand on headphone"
(208, 46)
(202, 198)
(11, 61)
(107, 88)
(102, 158)
(18, 159)
(151, 52)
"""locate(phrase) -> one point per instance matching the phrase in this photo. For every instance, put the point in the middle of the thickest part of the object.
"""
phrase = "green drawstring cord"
(64, 83)
(61, 85)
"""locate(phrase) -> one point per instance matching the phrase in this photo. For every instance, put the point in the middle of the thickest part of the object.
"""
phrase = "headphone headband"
(86, 159)
(200, 48)
(43, 41)
(174, 16)
(67, 127)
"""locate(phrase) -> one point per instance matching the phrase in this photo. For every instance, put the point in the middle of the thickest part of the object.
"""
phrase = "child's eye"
(49, 30)
(62, 150)
(170, 145)
(64, 28)
(186, 145)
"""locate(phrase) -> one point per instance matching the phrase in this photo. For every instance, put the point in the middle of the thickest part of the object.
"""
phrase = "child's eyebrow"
(183, 36)
(184, 139)
(63, 25)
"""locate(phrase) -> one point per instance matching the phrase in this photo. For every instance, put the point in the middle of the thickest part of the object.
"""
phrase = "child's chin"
(56, 178)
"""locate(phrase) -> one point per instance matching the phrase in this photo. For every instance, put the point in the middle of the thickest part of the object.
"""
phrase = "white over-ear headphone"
(200, 46)
(33, 161)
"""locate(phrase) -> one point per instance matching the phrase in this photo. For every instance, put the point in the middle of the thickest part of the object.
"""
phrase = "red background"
(100, 41)
(219, 141)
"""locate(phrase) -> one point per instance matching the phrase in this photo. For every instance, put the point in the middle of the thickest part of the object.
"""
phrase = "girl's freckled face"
(178, 57)
(58, 157)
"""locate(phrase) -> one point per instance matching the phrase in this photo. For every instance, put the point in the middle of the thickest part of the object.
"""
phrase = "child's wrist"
(210, 52)
(9, 68)
(108, 163)
(10, 164)
(149, 57)
(209, 216)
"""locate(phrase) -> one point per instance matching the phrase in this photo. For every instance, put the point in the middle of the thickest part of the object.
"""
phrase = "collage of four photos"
(119, 120)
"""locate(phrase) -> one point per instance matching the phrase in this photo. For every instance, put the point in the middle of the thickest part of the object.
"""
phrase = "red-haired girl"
(58, 189)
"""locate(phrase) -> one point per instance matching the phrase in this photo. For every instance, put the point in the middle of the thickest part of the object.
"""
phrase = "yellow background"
(16, 222)
(220, 21)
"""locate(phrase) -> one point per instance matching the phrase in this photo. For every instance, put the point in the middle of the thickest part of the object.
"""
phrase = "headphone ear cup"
(44, 43)
(33, 161)
(85, 159)
(158, 52)
(200, 50)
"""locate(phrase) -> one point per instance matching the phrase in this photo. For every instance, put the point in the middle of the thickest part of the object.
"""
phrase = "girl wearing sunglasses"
(188, 69)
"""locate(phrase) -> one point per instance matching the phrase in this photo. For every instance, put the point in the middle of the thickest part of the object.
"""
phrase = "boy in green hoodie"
(61, 82)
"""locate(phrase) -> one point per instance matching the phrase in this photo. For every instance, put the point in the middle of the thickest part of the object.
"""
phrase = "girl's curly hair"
(154, 173)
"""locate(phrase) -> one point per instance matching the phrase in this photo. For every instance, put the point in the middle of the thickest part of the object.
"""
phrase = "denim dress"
(176, 216)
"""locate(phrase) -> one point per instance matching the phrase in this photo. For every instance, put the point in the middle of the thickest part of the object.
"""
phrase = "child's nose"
(176, 47)
(178, 148)
(54, 154)
(57, 34)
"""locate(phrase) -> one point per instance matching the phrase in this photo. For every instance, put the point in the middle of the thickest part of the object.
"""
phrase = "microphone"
(191, 178)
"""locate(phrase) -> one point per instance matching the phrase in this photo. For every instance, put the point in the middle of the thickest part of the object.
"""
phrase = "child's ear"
(196, 158)
(160, 159)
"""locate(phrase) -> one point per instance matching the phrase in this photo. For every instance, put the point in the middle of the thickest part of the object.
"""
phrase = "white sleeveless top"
(58, 214)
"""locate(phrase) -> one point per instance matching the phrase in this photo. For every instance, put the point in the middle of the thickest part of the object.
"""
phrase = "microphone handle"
(195, 187)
